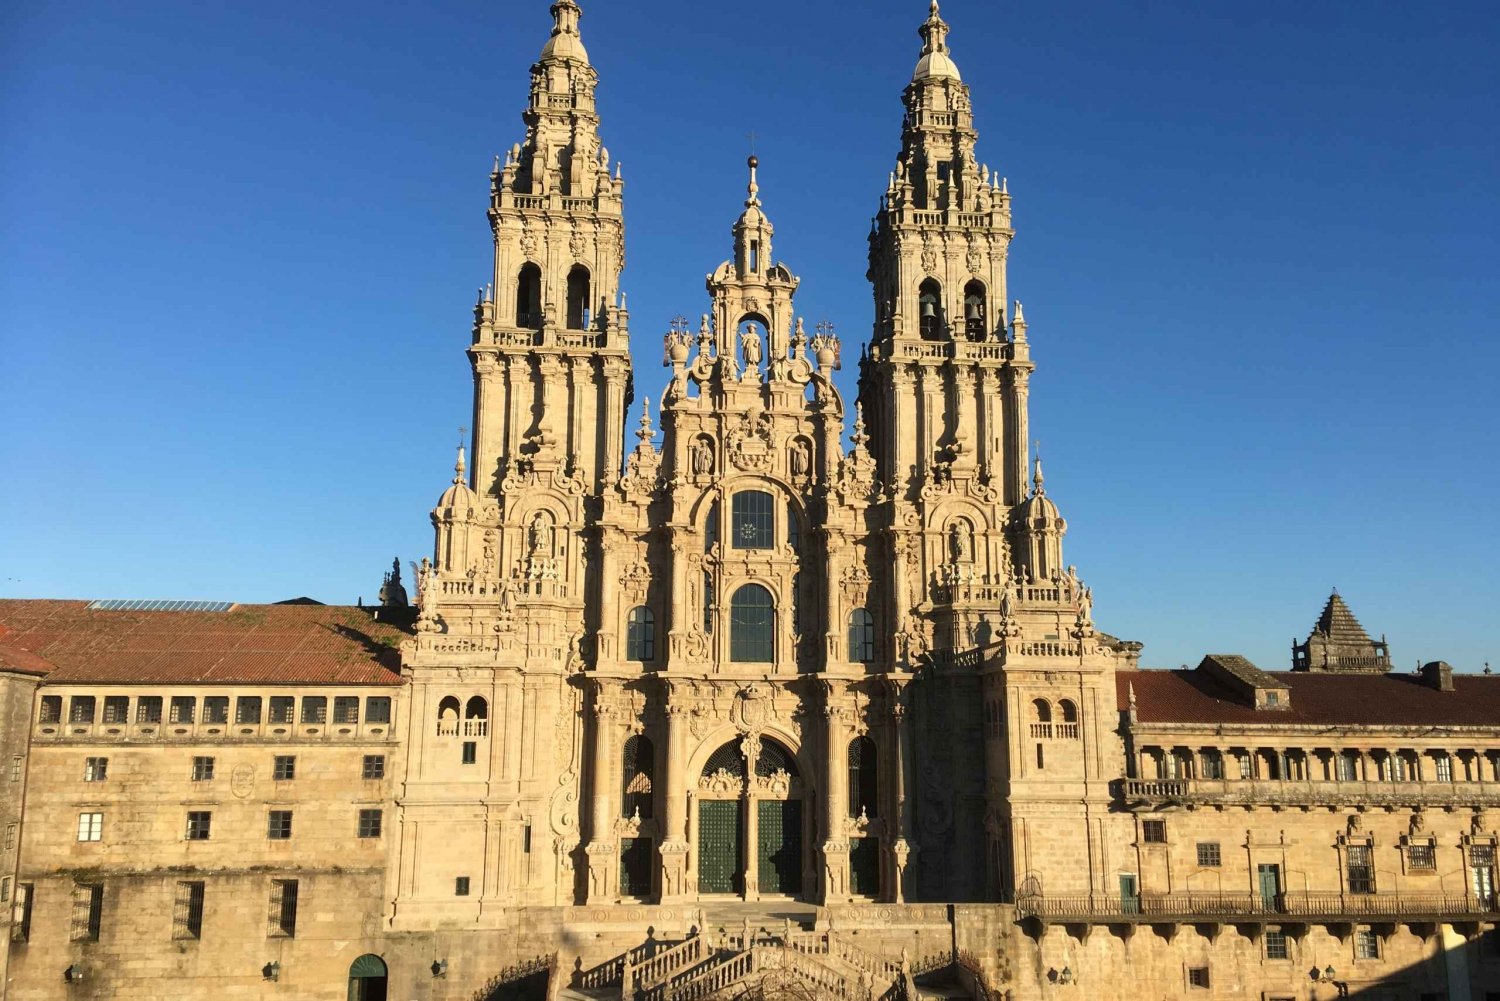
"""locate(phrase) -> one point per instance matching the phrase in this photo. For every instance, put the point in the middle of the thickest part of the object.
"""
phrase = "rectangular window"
(314, 709)
(369, 823)
(346, 709)
(90, 826)
(1346, 767)
(198, 824)
(116, 708)
(10, 836)
(1246, 763)
(21, 930)
(283, 708)
(752, 520)
(374, 767)
(470, 752)
(187, 910)
(51, 711)
(81, 709)
(1213, 765)
(1443, 766)
(1154, 832)
(1366, 944)
(203, 769)
(1208, 854)
(1276, 944)
(88, 912)
(95, 769)
(461, 886)
(708, 601)
(182, 709)
(148, 709)
(284, 767)
(216, 709)
(1421, 856)
(15, 767)
(282, 921)
(4, 889)
(1361, 869)
(1198, 977)
(378, 709)
(247, 709)
(279, 825)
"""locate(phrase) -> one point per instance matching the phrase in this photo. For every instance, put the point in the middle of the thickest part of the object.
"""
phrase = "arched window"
(529, 297)
(752, 513)
(578, 297)
(975, 316)
(752, 625)
(639, 776)
(930, 309)
(447, 721)
(711, 527)
(640, 634)
(727, 759)
(477, 708)
(863, 781)
(1069, 711)
(1042, 710)
(708, 601)
(796, 604)
(861, 636)
(773, 758)
(793, 527)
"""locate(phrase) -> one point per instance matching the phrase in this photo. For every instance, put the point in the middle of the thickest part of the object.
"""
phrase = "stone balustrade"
(1292, 792)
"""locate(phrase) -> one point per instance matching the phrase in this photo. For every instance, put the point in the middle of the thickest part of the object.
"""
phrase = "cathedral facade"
(796, 690)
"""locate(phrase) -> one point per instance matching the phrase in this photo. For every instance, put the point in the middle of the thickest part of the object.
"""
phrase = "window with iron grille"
(20, 931)
(90, 826)
(378, 709)
(95, 769)
(283, 709)
(199, 824)
(88, 912)
(1366, 944)
(216, 709)
(247, 709)
(116, 708)
(315, 709)
(346, 709)
(639, 771)
(374, 767)
(1208, 854)
(81, 709)
(863, 782)
(282, 920)
(1198, 977)
(752, 514)
(461, 886)
(1361, 869)
(1421, 855)
(1482, 854)
(279, 825)
(1154, 832)
(284, 767)
(203, 769)
(369, 823)
(187, 910)
(1276, 947)
(182, 709)
(51, 711)
(148, 709)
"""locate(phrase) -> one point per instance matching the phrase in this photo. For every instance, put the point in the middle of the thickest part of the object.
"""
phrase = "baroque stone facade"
(804, 692)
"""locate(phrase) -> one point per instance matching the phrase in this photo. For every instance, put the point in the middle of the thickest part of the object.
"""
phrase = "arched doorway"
(751, 838)
(367, 978)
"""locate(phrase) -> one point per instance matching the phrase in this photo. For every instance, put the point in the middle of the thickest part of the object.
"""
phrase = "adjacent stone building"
(797, 689)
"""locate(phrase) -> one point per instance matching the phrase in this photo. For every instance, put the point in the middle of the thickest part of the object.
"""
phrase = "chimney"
(1439, 675)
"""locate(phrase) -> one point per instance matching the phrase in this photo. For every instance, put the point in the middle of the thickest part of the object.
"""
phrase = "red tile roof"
(249, 644)
(1316, 699)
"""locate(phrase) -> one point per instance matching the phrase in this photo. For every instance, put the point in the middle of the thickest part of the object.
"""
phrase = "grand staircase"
(709, 962)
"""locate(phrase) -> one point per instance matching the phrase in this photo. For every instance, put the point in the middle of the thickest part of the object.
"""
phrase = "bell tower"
(944, 385)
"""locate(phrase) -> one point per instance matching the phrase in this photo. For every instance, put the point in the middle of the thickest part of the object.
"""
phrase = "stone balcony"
(1154, 794)
(1306, 907)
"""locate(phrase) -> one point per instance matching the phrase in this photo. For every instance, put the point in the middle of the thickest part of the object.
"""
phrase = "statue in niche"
(539, 536)
(801, 462)
(750, 347)
(703, 458)
(960, 543)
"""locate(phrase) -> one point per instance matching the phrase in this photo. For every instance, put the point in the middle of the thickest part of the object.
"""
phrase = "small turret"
(1338, 644)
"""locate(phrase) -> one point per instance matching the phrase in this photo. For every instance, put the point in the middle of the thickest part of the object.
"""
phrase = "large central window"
(752, 625)
(753, 520)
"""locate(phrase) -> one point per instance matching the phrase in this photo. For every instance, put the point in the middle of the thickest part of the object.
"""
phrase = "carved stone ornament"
(751, 709)
(720, 783)
(749, 444)
(528, 241)
(974, 260)
(929, 260)
(577, 244)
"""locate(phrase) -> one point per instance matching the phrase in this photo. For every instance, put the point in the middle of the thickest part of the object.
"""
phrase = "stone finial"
(459, 466)
(752, 189)
(646, 432)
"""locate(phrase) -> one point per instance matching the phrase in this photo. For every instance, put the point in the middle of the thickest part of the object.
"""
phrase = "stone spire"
(752, 231)
(935, 61)
(1339, 644)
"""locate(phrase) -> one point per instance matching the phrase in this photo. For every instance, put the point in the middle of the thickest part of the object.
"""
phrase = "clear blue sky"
(1257, 244)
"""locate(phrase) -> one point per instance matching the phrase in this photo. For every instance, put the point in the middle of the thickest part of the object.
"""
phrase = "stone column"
(674, 845)
(835, 802)
(901, 848)
(601, 849)
(750, 747)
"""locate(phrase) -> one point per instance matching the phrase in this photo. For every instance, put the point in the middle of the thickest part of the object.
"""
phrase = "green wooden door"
(1270, 885)
(779, 854)
(864, 866)
(635, 867)
(719, 850)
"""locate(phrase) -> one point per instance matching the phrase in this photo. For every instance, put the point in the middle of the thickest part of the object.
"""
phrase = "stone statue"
(703, 458)
(800, 459)
(539, 536)
(960, 548)
(750, 347)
